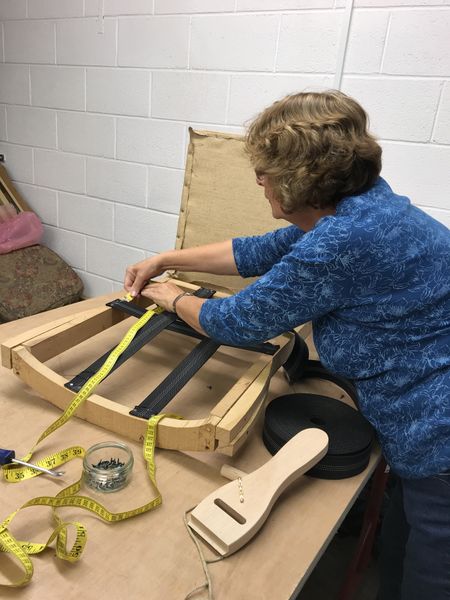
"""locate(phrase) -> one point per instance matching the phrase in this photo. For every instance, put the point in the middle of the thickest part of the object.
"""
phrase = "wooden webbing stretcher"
(226, 426)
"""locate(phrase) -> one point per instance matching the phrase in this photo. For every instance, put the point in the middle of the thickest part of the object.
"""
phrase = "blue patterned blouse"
(374, 279)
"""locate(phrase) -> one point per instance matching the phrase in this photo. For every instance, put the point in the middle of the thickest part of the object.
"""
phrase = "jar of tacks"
(107, 466)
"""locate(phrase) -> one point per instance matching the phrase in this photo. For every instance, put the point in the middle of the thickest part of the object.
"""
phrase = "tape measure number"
(69, 496)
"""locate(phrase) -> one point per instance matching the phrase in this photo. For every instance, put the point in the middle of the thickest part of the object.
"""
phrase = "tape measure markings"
(68, 496)
(23, 473)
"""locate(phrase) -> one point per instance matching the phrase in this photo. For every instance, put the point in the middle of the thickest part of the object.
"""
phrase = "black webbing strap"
(150, 330)
(179, 326)
(176, 380)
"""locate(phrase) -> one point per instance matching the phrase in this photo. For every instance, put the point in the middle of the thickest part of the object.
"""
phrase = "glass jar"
(107, 466)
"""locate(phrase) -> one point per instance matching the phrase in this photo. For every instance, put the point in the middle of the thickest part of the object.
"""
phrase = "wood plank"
(240, 414)
(82, 327)
(17, 340)
(174, 434)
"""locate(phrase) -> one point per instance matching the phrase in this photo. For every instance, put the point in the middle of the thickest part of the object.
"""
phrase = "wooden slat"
(174, 434)
(239, 416)
(47, 341)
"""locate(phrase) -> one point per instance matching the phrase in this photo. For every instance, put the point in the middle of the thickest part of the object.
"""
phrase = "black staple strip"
(176, 380)
(129, 308)
(150, 330)
(156, 324)
(179, 326)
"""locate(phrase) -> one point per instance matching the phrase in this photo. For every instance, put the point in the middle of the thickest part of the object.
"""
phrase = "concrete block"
(31, 126)
(259, 5)
(117, 181)
(395, 3)
(69, 245)
(86, 134)
(154, 42)
(441, 133)
(118, 91)
(234, 42)
(419, 171)
(417, 43)
(399, 109)
(165, 187)
(110, 260)
(59, 170)
(147, 229)
(366, 41)
(42, 200)
(13, 9)
(200, 126)
(86, 215)
(250, 94)
(15, 84)
(189, 96)
(308, 42)
(120, 7)
(58, 87)
(18, 161)
(94, 285)
(3, 123)
(40, 41)
(84, 42)
(54, 9)
(151, 142)
(193, 6)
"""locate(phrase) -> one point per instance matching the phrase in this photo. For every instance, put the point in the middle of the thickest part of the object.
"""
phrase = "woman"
(372, 273)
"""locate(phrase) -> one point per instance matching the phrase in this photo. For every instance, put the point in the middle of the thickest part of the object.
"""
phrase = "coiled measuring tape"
(69, 496)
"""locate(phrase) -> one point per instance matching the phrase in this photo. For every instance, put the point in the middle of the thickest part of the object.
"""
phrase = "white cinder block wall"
(96, 97)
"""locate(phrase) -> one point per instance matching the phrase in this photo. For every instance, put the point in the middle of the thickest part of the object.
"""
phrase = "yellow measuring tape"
(69, 496)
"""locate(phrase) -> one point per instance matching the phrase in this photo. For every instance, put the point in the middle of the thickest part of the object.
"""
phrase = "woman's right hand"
(217, 258)
(137, 275)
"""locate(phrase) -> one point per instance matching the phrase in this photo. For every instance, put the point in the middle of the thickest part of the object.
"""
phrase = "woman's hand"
(215, 258)
(162, 294)
(188, 307)
(137, 276)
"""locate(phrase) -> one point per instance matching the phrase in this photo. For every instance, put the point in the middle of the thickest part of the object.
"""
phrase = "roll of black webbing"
(350, 435)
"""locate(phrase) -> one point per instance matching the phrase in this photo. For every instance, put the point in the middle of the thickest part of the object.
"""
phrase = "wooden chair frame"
(9, 194)
(225, 428)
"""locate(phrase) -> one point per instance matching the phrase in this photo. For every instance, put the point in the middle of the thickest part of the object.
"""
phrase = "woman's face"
(305, 219)
(263, 181)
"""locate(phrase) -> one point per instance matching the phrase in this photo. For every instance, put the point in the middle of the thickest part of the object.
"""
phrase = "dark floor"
(326, 579)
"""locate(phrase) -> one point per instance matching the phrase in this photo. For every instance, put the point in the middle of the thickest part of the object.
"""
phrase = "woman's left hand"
(162, 294)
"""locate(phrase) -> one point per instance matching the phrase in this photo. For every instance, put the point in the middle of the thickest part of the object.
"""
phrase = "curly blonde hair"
(315, 149)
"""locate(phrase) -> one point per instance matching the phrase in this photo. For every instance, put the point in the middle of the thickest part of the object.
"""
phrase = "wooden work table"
(151, 556)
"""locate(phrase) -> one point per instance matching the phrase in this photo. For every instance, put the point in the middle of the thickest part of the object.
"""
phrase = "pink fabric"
(19, 231)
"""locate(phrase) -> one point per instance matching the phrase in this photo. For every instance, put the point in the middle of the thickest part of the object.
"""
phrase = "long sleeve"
(255, 255)
(293, 291)
(375, 281)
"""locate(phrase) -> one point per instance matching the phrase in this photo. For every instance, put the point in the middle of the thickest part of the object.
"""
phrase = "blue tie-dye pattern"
(375, 281)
